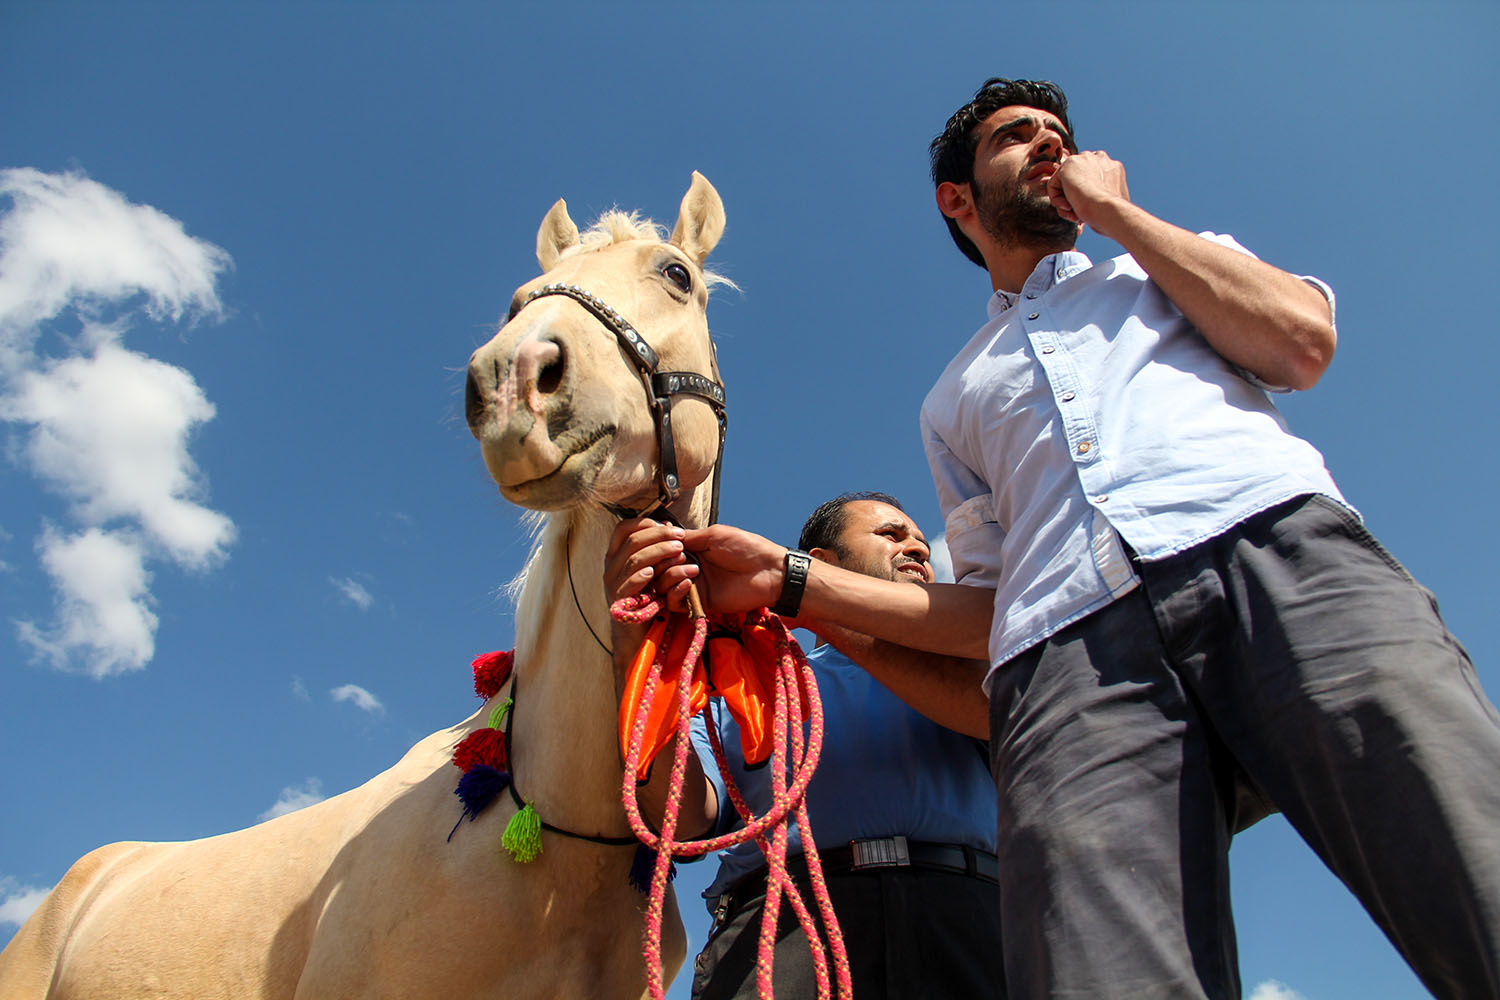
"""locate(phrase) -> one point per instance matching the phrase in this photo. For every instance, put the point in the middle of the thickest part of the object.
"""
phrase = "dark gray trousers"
(911, 934)
(1293, 662)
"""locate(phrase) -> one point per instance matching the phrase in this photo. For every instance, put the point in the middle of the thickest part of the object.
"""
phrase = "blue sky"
(247, 546)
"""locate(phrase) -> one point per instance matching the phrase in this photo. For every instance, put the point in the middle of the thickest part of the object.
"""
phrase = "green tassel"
(497, 716)
(523, 835)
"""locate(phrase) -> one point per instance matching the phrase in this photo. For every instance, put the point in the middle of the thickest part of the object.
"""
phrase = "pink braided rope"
(793, 673)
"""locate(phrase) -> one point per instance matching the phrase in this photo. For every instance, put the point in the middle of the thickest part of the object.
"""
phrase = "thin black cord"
(568, 554)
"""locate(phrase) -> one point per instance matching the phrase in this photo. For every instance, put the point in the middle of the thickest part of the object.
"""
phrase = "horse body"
(365, 894)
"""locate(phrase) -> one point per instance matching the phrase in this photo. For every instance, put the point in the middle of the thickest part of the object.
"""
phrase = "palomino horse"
(363, 895)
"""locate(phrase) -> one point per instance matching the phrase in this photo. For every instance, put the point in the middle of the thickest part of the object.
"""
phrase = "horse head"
(563, 402)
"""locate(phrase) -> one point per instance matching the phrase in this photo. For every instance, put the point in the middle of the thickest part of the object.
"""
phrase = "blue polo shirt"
(885, 770)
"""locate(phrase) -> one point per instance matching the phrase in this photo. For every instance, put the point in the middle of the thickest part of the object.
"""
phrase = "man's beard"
(1015, 217)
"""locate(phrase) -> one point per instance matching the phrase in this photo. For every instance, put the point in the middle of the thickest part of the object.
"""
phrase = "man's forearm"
(945, 689)
(1254, 314)
(700, 803)
(943, 618)
(742, 571)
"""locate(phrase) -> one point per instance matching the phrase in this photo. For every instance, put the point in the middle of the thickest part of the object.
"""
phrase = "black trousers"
(911, 934)
(1292, 661)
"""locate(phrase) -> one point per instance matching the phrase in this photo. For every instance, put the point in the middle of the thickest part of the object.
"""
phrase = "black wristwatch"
(793, 583)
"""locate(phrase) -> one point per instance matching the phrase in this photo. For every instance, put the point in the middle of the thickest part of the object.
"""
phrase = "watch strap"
(793, 583)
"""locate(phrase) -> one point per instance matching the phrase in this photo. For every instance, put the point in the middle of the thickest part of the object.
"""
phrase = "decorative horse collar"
(484, 757)
(660, 388)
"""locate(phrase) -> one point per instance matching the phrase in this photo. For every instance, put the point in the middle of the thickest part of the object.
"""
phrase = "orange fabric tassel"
(661, 717)
(741, 667)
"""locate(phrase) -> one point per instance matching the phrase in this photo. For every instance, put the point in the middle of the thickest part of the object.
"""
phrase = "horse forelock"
(618, 226)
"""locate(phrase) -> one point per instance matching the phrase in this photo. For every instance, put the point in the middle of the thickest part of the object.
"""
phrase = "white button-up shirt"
(1088, 409)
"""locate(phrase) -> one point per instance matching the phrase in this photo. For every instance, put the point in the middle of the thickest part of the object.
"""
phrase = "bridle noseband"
(660, 388)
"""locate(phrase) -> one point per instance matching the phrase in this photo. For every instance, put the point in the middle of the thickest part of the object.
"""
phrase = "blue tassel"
(478, 788)
(644, 866)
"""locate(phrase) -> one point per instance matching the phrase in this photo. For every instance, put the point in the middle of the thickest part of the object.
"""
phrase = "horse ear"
(700, 221)
(557, 234)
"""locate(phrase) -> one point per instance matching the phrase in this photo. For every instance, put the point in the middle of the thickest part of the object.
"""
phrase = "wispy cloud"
(361, 698)
(18, 902)
(105, 428)
(1272, 989)
(294, 798)
(353, 591)
(299, 690)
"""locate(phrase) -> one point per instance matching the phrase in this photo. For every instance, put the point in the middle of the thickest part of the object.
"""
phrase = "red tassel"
(483, 747)
(491, 671)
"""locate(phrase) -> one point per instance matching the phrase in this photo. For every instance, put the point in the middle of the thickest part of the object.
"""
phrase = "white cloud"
(353, 592)
(106, 428)
(942, 560)
(299, 690)
(293, 798)
(109, 432)
(1272, 989)
(104, 608)
(68, 241)
(361, 698)
(17, 902)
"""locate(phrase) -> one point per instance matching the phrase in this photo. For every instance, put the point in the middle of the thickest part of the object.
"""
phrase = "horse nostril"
(473, 403)
(551, 373)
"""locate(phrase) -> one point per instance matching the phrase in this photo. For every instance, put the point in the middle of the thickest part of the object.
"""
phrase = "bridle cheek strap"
(660, 387)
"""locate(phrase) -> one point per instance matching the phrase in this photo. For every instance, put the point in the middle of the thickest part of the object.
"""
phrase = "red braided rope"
(793, 674)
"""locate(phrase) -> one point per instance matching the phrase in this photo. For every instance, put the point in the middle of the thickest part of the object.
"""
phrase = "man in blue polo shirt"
(903, 809)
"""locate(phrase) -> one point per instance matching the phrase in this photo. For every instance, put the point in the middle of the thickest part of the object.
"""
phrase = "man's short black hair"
(825, 528)
(952, 152)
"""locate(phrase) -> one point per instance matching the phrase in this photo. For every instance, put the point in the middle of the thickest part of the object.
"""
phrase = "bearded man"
(1187, 624)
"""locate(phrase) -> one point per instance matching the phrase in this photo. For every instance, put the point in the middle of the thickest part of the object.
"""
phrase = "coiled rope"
(793, 678)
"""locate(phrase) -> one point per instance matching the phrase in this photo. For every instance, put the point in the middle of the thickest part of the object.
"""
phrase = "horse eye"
(679, 276)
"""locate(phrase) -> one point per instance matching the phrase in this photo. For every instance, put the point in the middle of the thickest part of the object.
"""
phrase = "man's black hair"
(825, 528)
(952, 152)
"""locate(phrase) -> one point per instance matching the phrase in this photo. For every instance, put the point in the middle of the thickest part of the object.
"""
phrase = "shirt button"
(1101, 498)
(1031, 295)
(1033, 316)
(1048, 350)
(1067, 397)
(1083, 447)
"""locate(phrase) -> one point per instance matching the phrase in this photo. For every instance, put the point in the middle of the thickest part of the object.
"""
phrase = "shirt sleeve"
(728, 819)
(973, 536)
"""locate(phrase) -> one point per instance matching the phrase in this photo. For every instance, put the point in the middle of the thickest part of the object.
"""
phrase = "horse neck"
(565, 742)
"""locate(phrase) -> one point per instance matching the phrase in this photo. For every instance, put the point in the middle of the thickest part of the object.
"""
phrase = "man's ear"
(825, 555)
(955, 200)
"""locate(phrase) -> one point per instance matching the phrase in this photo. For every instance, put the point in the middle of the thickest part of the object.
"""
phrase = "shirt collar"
(1049, 271)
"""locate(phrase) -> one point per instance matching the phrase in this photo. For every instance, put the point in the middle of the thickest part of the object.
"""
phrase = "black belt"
(877, 853)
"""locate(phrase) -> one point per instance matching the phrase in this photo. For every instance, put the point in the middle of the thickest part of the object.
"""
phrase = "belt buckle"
(879, 852)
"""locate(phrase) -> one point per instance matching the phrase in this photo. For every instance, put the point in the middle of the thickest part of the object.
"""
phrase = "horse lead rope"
(786, 800)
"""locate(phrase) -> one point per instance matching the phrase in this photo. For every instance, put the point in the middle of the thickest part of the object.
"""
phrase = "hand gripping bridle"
(660, 388)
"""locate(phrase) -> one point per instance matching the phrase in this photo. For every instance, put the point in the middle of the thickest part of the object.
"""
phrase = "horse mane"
(545, 574)
(617, 226)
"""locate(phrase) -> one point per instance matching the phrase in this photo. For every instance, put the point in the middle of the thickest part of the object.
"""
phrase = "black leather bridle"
(660, 388)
